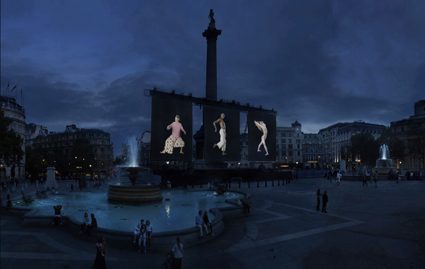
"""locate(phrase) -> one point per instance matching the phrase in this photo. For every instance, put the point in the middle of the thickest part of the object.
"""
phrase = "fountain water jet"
(134, 193)
(384, 163)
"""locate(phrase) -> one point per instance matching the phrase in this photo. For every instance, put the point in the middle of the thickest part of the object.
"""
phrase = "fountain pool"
(177, 210)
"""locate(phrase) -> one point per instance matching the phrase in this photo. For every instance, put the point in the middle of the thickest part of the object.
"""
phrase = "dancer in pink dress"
(174, 140)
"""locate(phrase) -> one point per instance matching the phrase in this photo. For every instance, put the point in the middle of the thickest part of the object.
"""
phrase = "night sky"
(318, 62)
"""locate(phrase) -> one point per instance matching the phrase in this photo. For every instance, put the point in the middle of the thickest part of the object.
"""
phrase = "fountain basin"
(139, 194)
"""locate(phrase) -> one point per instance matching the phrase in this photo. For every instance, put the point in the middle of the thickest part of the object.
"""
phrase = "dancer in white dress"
(263, 128)
(223, 143)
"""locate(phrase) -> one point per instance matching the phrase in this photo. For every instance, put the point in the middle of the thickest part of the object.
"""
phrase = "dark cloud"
(320, 62)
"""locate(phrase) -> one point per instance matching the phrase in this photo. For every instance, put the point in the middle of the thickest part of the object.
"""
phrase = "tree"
(397, 148)
(364, 147)
(35, 161)
(10, 143)
(117, 161)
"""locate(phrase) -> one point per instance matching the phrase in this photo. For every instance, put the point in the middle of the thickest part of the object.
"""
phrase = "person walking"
(319, 196)
(22, 191)
(324, 201)
(100, 246)
(8, 194)
(178, 254)
(364, 180)
(375, 177)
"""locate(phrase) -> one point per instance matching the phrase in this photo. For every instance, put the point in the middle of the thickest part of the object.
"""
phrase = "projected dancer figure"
(262, 127)
(222, 144)
(174, 140)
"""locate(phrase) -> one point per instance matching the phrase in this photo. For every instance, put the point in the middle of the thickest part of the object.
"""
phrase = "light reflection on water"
(177, 213)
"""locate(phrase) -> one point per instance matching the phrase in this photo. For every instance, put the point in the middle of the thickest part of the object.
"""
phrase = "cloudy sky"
(318, 62)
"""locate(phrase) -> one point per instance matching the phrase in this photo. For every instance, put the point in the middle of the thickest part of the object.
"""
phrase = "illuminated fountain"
(142, 188)
(384, 164)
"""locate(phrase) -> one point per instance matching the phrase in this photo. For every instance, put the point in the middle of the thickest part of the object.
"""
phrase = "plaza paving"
(365, 227)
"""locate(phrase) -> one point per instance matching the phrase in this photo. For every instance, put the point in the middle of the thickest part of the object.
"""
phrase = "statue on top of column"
(212, 20)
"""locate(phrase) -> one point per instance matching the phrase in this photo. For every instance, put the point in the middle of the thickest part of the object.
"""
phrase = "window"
(298, 146)
(290, 141)
(290, 146)
(283, 152)
(290, 153)
(299, 153)
(283, 134)
(290, 134)
(283, 140)
(298, 135)
(283, 146)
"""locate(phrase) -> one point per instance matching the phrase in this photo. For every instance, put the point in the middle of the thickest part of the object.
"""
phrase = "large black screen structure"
(164, 124)
(261, 136)
(221, 141)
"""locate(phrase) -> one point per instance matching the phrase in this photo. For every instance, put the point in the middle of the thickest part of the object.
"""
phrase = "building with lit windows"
(312, 151)
(289, 142)
(63, 142)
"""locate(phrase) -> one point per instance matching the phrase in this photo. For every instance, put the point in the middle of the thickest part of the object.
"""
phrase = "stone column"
(51, 180)
(211, 35)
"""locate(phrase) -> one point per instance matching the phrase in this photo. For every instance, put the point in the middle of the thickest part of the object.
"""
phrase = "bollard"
(258, 183)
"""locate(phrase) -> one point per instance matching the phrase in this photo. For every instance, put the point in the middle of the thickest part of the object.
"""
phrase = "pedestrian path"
(366, 227)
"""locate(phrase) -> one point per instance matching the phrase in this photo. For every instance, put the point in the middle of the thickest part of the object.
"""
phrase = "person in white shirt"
(86, 222)
(137, 230)
(200, 223)
(178, 254)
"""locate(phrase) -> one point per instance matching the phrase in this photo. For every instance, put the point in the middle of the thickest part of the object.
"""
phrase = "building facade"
(408, 130)
(64, 142)
(312, 151)
(16, 113)
(289, 145)
(336, 137)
